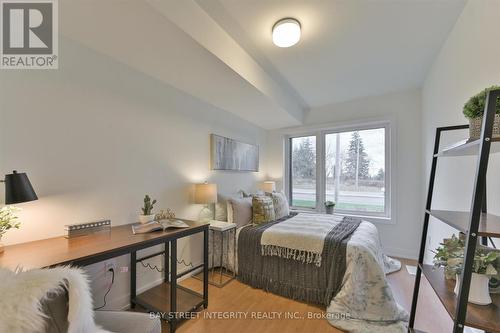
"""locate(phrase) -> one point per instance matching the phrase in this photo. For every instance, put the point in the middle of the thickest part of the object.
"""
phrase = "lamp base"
(207, 213)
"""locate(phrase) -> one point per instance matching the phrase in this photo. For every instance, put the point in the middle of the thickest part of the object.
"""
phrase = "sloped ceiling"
(349, 48)
(220, 51)
(138, 34)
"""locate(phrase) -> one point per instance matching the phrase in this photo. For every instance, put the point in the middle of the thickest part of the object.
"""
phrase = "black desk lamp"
(18, 188)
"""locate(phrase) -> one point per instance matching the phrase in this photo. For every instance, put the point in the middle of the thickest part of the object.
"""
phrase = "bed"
(361, 301)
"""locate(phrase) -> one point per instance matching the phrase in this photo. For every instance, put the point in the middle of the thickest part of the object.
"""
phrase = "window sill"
(373, 219)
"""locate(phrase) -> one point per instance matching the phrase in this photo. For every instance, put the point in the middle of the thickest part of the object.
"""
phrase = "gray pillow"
(239, 211)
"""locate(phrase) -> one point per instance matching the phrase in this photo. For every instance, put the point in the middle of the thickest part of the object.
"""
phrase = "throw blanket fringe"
(302, 237)
(307, 257)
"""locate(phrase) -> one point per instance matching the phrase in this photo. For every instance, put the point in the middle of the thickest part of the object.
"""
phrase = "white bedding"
(365, 294)
(365, 303)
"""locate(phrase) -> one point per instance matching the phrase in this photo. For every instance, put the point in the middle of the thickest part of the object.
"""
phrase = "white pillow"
(222, 206)
(239, 211)
(280, 202)
(221, 211)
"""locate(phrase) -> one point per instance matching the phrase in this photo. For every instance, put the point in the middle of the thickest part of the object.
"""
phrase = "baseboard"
(401, 253)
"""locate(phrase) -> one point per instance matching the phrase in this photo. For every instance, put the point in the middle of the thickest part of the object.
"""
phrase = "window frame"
(320, 135)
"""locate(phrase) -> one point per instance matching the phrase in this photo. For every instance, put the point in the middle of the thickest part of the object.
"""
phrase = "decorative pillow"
(221, 208)
(239, 211)
(221, 211)
(263, 209)
(281, 208)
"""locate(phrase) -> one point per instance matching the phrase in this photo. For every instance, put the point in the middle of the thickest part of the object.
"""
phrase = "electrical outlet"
(109, 265)
(124, 269)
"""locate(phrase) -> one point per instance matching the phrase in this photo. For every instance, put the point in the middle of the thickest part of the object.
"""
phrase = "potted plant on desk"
(147, 210)
(7, 221)
(450, 255)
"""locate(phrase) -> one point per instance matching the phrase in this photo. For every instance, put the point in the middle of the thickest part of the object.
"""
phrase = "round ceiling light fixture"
(286, 32)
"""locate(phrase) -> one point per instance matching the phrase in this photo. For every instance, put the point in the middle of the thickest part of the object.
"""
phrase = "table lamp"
(205, 194)
(268, 186)
(18, 188)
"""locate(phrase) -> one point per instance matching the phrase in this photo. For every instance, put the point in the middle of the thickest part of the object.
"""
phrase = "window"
(349, 167)
(303, 172)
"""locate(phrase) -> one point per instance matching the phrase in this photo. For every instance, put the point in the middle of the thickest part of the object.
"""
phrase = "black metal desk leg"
(133, 278)
(205, 268)
(166, 263)
(173, 285)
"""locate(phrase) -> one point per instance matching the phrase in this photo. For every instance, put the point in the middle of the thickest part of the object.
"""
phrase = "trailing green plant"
(148, 205)
(474, 108)
(8, 219)
(450, 256)
(329, 204)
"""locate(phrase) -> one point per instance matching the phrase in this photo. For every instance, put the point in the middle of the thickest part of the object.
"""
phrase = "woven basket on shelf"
(477, 123)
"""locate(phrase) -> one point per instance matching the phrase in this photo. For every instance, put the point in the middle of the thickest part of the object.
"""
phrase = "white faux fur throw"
(22, 292)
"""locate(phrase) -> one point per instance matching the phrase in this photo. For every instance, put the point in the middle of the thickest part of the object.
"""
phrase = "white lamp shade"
(286, 32)
(205, 193)
(268, 186)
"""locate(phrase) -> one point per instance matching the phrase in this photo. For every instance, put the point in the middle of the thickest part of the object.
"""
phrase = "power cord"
(161, 270)
(154, 267)
(109, 288)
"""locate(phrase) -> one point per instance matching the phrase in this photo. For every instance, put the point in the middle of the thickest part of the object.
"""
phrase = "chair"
(55, 306)
(57, 300)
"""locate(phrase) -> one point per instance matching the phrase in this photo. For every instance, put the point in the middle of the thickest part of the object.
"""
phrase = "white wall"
(403, 111)
(95, 136)
(467, 63)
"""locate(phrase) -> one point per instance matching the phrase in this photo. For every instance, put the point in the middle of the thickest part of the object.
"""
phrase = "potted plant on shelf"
(450, 256)
(474, 111)
(8, 220)
(329, 206)
(147, 210)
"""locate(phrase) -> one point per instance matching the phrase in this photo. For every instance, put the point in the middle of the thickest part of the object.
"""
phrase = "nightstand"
(221, 277)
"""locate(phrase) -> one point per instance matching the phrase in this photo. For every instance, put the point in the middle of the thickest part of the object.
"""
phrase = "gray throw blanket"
(291, 278)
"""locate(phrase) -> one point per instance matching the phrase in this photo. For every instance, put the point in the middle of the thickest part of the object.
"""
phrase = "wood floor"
(238, 297)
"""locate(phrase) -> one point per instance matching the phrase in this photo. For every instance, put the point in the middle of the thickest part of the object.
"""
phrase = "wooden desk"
(120, 240)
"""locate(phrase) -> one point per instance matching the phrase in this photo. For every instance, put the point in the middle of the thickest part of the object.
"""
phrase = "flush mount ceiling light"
(286, 32)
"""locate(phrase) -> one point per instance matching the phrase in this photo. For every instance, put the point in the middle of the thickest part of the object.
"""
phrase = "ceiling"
(349, 48)
(221, 51)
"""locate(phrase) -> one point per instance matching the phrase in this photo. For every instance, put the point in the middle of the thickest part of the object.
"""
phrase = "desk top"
(85, 250)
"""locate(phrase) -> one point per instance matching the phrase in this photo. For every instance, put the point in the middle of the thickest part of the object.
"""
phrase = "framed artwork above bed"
(230, 154)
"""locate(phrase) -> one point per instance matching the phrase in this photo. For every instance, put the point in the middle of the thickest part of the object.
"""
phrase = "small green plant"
(148, 205)
(450, 255)
(329, 204)
(8, 219)
(474, 108)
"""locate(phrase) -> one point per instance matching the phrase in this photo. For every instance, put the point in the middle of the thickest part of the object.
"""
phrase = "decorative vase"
(1, 245)
(146, 218)
(479, 292)
(329, 209)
